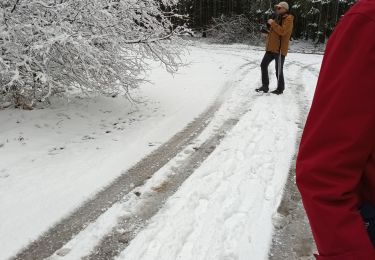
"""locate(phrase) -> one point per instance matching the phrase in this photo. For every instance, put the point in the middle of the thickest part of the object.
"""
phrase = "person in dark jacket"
(336, 161)
(277, 47)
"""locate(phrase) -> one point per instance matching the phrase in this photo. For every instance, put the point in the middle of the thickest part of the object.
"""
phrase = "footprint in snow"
(188, 151)
(22, 140)
(63, 252)
(56, 150)
(65, 115)
(87, 137)
(4, 174)
(105, 111)
(152, 144)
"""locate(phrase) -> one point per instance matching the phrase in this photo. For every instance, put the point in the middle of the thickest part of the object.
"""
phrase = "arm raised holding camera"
(285, 28)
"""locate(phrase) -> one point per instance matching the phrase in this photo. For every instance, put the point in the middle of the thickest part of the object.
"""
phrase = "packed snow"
(60, 156)
(225, 210)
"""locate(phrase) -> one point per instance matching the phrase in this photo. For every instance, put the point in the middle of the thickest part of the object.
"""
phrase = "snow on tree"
(323, 13)
(49, 46)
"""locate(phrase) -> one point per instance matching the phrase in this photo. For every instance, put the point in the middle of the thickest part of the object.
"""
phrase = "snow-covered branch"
(50, 46)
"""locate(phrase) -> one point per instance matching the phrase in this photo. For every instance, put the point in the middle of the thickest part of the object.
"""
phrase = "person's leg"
(267, 59)
(279, 64)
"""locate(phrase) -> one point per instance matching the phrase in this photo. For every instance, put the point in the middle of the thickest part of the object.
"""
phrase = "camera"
(266, 28)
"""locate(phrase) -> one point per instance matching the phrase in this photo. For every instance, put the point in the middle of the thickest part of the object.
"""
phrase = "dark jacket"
(336, 162)
(280, 34)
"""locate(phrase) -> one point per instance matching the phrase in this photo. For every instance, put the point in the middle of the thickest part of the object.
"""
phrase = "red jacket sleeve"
(338, 142)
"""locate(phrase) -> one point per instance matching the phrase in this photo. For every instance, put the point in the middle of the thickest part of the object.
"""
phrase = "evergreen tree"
(314, 19)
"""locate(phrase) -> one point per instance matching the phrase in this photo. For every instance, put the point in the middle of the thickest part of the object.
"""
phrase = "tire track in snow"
(224, 210)
(292, 238)
(61, 233)
(129, 226)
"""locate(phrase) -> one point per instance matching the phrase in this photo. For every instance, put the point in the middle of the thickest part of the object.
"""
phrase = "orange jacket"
(280, 34)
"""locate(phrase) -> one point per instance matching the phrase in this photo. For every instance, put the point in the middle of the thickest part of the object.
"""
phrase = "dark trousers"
(267, 59)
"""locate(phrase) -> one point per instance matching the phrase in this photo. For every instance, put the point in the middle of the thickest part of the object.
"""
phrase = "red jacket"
(336, 162)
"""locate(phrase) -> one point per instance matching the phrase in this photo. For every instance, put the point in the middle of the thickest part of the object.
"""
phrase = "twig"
(15, 6)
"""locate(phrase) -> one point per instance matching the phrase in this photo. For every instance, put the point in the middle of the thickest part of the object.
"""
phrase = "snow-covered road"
(232, 169)
(226, 208)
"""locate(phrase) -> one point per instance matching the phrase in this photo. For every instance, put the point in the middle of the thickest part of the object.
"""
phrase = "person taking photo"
(277, 46)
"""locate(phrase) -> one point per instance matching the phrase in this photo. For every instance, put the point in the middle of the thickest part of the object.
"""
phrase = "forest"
(314, 19)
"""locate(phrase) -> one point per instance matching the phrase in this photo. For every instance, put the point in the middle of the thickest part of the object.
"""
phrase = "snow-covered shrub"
(234, 29)
(48, 46)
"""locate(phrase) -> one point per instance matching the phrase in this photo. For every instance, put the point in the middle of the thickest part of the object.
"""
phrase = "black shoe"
(262, 89)
(277, 92)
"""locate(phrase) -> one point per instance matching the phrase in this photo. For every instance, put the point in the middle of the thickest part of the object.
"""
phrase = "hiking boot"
(262, 89)
(277, 92)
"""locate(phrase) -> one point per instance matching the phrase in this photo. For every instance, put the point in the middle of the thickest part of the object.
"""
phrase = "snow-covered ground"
(225, 209)
(54, 159)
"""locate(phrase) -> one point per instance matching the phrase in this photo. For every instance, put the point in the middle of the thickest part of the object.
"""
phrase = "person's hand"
(270, 21)
(265, 31)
